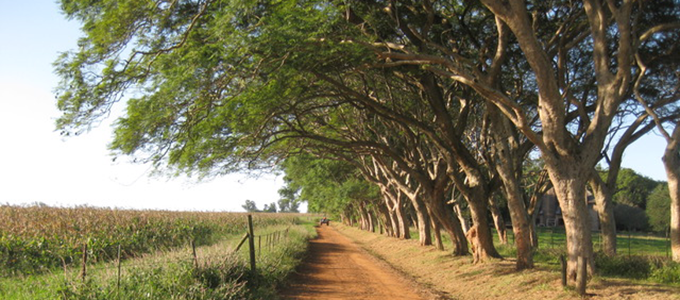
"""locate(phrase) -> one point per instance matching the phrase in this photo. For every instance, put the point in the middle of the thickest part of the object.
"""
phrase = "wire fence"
(628, 242)
(257, 244)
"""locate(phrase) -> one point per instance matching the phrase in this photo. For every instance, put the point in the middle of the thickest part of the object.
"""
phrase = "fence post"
(193, 251)
(251, 243)
(563, 264)
(84, 270)
(668, 241)
(118, 282)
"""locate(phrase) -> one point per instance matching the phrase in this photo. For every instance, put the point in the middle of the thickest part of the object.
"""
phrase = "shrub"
(635, 267)
(668, 272)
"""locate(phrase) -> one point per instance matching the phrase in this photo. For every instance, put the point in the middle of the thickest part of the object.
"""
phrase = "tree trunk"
(423, 222)
(444, 215)
(570, 188)
(519, 218)
(436, 230)
(458, 210)
(533, 232)
(605, 210)
(498, 221)
(387, 219)
(484, 248)
(402, 222)
(671, 162)
(391, 214)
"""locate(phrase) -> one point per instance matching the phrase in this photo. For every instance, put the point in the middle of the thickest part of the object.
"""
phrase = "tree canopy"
(409, 108)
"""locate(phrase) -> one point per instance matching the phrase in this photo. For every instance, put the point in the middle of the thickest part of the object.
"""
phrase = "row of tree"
(439, 105)
(286, 205)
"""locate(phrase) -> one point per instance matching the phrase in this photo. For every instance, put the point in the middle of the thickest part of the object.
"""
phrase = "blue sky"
(37, 165)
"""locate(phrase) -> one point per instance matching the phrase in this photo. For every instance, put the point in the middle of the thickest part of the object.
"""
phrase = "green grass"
(220, 273)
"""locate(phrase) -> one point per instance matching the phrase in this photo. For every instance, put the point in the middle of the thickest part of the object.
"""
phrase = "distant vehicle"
(325, 221)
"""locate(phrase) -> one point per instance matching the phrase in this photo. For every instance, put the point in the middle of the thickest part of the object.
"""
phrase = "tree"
(250, 206)
(658, 208)
(633, 189)
(270, 208)
(221, 86)
(289, 201)
(630, 217)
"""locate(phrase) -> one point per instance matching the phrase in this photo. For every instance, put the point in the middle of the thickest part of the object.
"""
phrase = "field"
(37, 239)
(179, 255)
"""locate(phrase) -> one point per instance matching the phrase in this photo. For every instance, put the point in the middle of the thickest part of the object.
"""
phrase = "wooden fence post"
(251, 243)
(118, 282)
(84, 270)
(563, 264)
(193, 250)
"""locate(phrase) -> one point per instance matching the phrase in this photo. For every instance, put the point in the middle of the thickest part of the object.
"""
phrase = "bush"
(635, 267)
(668, 273)
(629, 217)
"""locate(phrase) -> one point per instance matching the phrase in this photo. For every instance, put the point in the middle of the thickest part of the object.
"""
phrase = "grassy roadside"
(457, 278)
(217, 273)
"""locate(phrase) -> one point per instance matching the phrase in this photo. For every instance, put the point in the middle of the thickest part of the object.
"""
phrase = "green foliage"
(639, 267)
(658, 208)
(205, 77)
(667, 273)
(329, 186)
(635, 267)
(633, 188)
(289, 201)
(250, 206)
(270, 208)
(630, 217)
(220, 274)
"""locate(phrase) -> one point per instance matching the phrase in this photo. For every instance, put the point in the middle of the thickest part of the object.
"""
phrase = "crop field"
(38, 239)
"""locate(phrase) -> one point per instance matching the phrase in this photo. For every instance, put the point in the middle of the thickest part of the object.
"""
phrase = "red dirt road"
(336, 268)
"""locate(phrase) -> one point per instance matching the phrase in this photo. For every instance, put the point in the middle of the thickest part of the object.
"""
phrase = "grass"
(218, 273)
(640, 256)
(457, 278)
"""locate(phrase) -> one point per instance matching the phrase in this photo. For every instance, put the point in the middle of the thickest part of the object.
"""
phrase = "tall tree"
(659, 208)
(250, 206)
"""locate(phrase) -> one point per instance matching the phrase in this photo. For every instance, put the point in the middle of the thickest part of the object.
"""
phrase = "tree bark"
(569, 184)
(671, 162)
(423, 222)
(498, 221)
(484, 248)
(458, 211)
(402, 222)
(605, 210)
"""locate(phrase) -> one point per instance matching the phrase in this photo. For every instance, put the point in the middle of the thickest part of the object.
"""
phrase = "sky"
(38, 165)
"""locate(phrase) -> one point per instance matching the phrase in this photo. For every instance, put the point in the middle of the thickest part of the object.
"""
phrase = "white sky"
(37, 165)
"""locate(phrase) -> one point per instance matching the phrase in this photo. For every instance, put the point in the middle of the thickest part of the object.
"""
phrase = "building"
(550, 212)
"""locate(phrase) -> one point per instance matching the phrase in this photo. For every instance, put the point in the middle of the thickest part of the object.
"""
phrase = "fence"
(256, 243)
(630, 243)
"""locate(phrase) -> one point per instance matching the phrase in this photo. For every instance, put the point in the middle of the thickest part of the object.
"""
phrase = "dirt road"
(338, 269)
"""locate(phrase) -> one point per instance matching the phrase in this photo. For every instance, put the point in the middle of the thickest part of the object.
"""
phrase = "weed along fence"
(257, 243)
(270, 241)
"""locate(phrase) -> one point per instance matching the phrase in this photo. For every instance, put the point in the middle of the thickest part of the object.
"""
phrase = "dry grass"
(457, 278)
